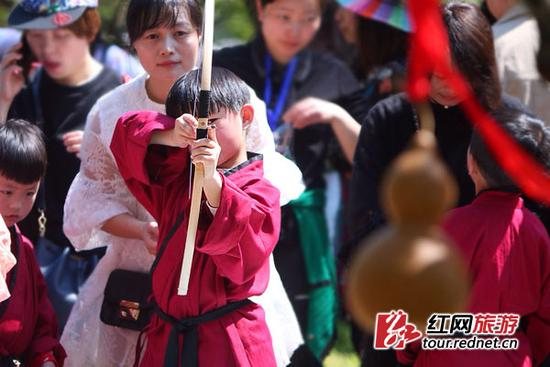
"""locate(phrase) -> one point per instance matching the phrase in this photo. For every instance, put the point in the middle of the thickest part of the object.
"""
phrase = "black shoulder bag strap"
(169, 235)
(166, 239)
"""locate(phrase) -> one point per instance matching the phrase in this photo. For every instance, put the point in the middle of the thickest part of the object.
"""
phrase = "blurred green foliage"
(233, 20)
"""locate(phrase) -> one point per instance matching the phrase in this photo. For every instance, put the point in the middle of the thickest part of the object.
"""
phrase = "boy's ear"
(470, 163)
(247, 114)
(473, 168)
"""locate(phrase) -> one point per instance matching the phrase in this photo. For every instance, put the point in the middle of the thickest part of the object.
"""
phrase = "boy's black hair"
(228, 92)
(143, 15)
(528, 131)
(23, 156)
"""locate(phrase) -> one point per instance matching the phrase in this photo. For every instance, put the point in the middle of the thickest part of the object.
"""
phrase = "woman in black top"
(307, 94)
(391, 123)
(57, 98)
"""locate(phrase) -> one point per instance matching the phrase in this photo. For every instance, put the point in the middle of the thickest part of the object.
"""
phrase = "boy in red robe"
(507, 250)
(214, 324)
(28, 326)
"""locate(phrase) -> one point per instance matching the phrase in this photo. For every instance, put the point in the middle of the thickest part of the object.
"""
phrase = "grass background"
(343, 353)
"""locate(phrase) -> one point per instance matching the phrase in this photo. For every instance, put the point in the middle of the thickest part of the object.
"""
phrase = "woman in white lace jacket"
(100, 211)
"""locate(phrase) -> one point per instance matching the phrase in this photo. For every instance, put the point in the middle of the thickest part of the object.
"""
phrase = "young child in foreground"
(507, 250)
(28, 326)
(238, 227)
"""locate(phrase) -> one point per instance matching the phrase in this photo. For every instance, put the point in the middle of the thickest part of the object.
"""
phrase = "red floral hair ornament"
(60, 19)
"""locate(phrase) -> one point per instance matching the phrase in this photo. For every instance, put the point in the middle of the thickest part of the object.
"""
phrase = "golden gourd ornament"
(410, 264)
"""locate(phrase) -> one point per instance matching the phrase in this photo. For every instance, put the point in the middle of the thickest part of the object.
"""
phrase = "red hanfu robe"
(507, 250)
(28, 326)
(230, 262)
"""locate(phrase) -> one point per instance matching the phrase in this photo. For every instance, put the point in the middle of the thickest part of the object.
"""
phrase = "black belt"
(188, 328)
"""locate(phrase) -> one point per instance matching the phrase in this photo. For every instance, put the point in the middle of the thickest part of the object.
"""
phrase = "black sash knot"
(188, 327)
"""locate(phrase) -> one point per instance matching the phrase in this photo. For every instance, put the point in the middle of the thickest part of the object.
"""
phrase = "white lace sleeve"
(7, 260)
(98, 192)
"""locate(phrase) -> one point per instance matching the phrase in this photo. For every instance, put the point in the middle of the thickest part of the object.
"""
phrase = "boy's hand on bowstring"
(185, 131)
(207, 152)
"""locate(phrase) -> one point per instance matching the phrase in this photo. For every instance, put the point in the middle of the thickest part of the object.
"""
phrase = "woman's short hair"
(88, 25)
(147, 14)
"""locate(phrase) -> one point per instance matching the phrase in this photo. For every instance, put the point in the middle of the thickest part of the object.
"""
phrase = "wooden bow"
(198, 177)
